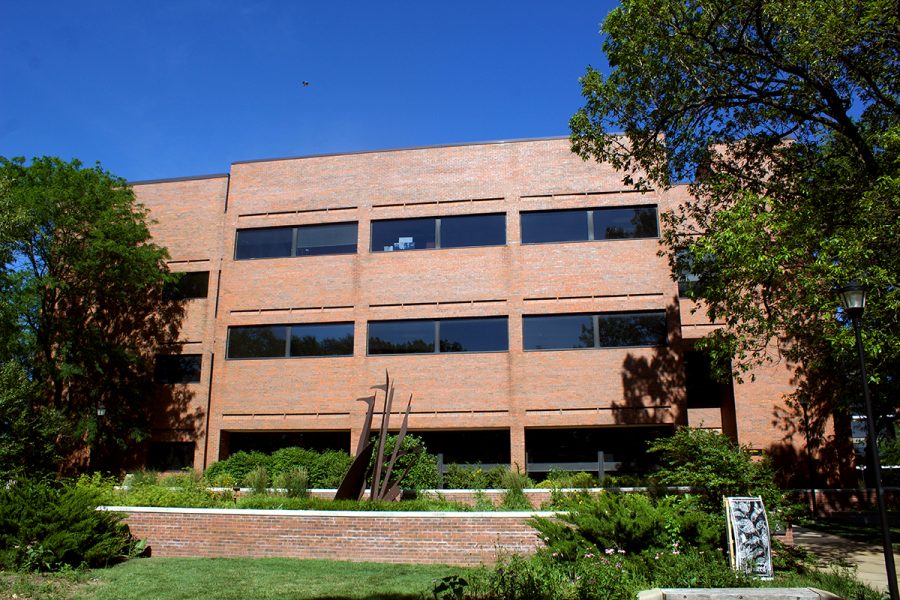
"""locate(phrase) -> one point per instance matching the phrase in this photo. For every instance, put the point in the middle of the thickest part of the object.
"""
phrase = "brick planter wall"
(396, 537)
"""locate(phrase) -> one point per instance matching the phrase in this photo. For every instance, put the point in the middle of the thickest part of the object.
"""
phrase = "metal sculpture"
(353, 486)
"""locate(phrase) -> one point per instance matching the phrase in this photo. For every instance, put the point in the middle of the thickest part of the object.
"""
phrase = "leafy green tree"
(784, 116)
(82, 305)
(27, 429)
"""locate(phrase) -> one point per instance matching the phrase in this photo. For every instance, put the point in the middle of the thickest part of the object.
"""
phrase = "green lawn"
(232, 578)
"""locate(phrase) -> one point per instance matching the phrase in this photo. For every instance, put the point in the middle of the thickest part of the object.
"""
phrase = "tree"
(784, 116)
(83, 307)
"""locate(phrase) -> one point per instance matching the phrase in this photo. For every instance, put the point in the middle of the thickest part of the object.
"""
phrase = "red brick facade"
(467, 539)
(196, 219)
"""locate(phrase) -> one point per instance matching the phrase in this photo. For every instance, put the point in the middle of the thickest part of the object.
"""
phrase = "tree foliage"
(82, 305)
(784, 116)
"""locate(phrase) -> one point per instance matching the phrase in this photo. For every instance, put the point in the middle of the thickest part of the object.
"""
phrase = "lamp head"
(853, 298)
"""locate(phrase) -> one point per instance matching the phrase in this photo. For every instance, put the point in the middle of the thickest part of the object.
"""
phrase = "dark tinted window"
(269, 242)
(403, 234)
(621, 223)
(546, 332)
(257, 342)
(170, 456)
(189, 285)
(631, 329)
(472, 230)
(474, 335)
(177, 368)
(332, 238)
(275, 242)
(605, 330)
(554, 226)
(325, 339)
(401, 337)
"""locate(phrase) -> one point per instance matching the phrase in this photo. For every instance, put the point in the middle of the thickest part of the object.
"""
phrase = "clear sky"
(163, 89)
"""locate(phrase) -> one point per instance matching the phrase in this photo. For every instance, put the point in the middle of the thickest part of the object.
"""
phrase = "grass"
(232, 578)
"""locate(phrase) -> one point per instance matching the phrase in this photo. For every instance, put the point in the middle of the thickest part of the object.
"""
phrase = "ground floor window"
(170, 456)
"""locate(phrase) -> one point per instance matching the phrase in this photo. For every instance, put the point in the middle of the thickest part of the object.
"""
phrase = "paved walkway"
(831, 549)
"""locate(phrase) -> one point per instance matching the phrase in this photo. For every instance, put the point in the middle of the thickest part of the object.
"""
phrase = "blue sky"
(171, 89)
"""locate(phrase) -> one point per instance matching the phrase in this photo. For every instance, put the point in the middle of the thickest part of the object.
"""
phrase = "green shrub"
(284, 503)
(717, 467)
(472, 477)
(423, 473)
(515, 482)
(46, 526)
(295, 482)
(236, 466)
(258, 480)
(568, 479)
(632, 523)
(143, 477)
(329, 469)
(325, 469)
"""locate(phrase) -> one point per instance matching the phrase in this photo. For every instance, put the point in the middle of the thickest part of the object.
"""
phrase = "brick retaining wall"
(395, 537)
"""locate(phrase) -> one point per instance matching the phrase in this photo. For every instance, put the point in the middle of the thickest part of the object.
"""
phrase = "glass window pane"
(401, 337)
(474, 335)
(177, 368)
(269, 242)
(322, 339)
(473, 230)
(546, 332)
(554, 226)
(632, 329)
(257, 342)
(189, 285)
(623, 223)
(403, 234)
(333, 238)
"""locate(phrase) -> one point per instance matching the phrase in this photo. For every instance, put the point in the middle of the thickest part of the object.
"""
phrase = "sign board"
(749, 542)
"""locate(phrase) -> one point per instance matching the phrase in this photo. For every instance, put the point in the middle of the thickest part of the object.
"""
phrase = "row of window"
(461, 231)
(427, 336)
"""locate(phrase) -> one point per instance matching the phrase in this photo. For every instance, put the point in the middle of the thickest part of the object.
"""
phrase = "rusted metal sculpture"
(353, 487)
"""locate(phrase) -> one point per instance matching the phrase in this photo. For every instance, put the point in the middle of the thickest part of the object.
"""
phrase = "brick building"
(512, 288)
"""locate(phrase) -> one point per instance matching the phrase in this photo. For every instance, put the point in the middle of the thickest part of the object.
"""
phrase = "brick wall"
(395, 537)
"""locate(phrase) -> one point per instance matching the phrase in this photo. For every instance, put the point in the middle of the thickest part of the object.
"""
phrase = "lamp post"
(804, 403)
(854, 301)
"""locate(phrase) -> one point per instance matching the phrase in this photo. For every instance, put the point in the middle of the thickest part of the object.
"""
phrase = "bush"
(718, 467)
(294, 482)
(423, 473)
(46, 526)
(515, 482)
(632, 523)
(472, 477)
(325, 469)
(258, 480)
(568, 479)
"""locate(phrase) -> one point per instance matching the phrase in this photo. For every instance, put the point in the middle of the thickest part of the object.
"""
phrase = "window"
(303, 240)
(422, 336)
(190, 285)
(290, 341)
(462, 231)
(177, 368)
(604, 330)
(541, 227)
(170, 456)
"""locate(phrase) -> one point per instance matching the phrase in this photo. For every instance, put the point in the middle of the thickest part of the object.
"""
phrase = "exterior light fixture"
(853, 297)
(101, 410)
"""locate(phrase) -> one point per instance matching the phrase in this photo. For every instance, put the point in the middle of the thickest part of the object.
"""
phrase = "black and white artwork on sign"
(750, 544)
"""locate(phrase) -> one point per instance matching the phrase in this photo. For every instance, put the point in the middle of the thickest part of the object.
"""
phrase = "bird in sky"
(305, 84)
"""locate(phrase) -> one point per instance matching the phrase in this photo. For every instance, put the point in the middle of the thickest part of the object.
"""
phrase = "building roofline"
(402, 149)
(173, 179)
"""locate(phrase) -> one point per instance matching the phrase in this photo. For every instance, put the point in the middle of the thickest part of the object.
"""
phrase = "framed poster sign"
(749, 543)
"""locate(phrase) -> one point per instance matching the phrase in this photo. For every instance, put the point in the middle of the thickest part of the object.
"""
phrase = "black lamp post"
(853, 297)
